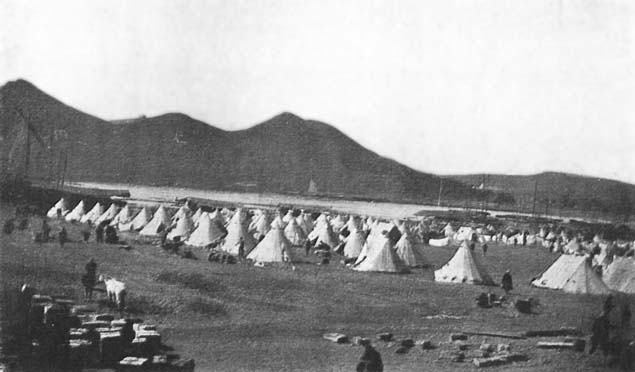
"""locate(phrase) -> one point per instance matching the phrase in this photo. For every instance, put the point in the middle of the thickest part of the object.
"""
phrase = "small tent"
(620, 275)
(381, 258)
(294, 233)
(338, 223)
(463, 267)
(138, 222)
(61, 205)
(237, 229)
(306, 223)
(354, 244)
(572, 274)
(94, 214)
(77, 212)
(206, 233)
(261, 225)
(323, 233)
(196, 216)
(108, 215)
(274, 247)
(122, 217)
(411, 255)
(159, 222)
(184, 211)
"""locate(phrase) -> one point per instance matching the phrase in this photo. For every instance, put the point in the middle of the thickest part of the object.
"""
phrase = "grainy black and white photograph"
(317, 185)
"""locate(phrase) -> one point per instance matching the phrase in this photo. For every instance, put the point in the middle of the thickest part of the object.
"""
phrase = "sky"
(496, 86)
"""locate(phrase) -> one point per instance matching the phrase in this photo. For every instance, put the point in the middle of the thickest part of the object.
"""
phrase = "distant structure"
(312, 187)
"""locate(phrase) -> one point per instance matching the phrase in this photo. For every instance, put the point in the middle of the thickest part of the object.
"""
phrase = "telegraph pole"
(533, 208)
(440, 191)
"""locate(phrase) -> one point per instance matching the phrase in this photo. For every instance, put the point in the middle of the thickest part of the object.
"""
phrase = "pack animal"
(115, 290)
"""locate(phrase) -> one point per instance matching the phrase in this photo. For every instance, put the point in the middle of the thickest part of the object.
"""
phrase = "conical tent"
(572, 274)
(109, 214)
(294, 233)
(206, 233)
(138, 222)
(409, 254)
(184, 211)
(159, 222)
(196, 216)
(463, 267)
(324, 233)
(306, 223)
(337, 223)
(77, 212)
(288, 217)
(182, 228)
(217, 217)
(237, 229)
(94, 214)
(61, 205)
(620, 275)
(122, 217)
(274, 247)
(382, 258)
(261, 225)
(354, 244)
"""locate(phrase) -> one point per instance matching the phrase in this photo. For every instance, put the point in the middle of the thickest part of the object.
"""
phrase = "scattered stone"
(385, 336)
(357, 340)
(462, 345)
(402, 350)
(425, 344)
(457, 357)
(458, 336)
(408, 342)
(338, 338)
(503, 347)
(486, 347)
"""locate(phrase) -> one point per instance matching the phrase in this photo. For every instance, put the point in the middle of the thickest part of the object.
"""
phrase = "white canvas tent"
(184, 211)
(206, 233)
(354, 244)
(77, 212)
(306, 223)
(572, 274)
(620, 275)
(411, 255)
(61, 205)
(324, 233)
(261, 225)
(94, 214)
(109, 214)
(122, 217)
(274, 247)
(182, 228)
(463, 267)
(381, 258)
(294, 233)
(196, 216)
(237, 229)
(159, 222)
(138, 222)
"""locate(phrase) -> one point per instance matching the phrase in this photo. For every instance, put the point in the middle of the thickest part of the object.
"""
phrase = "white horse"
(115, 290)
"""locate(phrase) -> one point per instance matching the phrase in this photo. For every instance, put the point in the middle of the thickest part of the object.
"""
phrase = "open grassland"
(244, 318)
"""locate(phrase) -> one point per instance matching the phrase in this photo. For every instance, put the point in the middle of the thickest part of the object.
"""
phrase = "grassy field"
(244, 318)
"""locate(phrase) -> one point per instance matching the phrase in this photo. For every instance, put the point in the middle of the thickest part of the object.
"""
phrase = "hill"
(560, 191)
(281, 154)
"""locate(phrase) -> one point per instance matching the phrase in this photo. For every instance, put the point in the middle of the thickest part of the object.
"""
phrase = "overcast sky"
(443, 86)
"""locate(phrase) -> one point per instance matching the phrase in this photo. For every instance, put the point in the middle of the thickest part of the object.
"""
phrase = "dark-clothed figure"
(63, 237)
(484, 249)
(46, 231)
(506, 282)
(370, 361)
(86, 232)
(111, 235)
(241, 247)
(600, 335)
(89, 279)
(99, 233)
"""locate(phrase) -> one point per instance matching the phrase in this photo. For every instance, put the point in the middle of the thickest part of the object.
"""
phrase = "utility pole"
(440, 191)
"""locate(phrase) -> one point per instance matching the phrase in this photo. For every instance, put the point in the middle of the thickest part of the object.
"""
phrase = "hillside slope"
(280, 155)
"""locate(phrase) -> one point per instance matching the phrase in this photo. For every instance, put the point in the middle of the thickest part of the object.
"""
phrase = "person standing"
(484, 249)
(506, 282)
(370, 361)
(63, 237)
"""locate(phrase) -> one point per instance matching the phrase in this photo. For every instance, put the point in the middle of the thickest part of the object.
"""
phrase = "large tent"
(77, 212)
(122, 217)
(381, 257)
(572, 274)
(206, 233)
(159, 222)
(274, 247)
(620, 275)
(355, 240)
(138, 222)
(94, 214)
(463, 267)
(237, 229)
(411, 255)
(323, 233)
(61, 205)
(108, 215)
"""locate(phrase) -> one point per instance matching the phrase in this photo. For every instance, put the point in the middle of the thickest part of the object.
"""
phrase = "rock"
(408, 342)
(425, 344)
(357, 340)
(458, 336)
(338, 338)
(402, 350)
(503, 347)
(462, 345)
(457, 357)
(486, 347)
(385, 336)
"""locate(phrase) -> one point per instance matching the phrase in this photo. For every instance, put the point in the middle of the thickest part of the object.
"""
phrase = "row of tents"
(374, 245)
